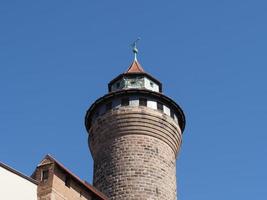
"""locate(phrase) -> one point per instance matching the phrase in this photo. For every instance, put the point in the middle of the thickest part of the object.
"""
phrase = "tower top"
(135, 77)
(135, 67)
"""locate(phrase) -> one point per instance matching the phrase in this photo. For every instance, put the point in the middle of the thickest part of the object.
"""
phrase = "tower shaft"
(134, 150)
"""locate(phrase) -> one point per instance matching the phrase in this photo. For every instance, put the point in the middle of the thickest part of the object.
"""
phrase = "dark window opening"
(159, 106)
(172, 114)
(142, 102)
(67, 181)
(125, 101)
(45, 174)
(109, 106)
(118, 85)
(151, 84)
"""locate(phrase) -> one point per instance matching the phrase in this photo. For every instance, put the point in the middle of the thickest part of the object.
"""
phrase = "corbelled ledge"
(168, 101)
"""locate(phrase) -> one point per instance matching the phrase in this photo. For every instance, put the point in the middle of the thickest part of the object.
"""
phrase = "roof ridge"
(17, 172)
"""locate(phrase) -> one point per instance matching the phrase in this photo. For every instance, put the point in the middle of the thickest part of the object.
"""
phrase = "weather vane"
(134, 46)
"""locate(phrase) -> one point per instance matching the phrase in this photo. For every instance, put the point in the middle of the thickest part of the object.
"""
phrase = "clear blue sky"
(56, 58)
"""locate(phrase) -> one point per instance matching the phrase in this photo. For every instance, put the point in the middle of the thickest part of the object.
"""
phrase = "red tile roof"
(135, 67)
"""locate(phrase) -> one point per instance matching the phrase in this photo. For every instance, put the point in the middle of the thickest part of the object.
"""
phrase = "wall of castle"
(134, 150)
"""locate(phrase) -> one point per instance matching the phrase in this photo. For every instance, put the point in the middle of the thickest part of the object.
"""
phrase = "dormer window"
(45, 174)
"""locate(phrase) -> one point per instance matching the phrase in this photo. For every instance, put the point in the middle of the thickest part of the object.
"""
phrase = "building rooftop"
(17, 173)
(83, 183)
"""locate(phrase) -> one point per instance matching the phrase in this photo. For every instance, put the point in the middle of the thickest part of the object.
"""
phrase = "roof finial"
(134, 46)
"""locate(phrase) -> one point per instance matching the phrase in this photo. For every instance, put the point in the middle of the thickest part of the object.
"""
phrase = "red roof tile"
(135, 67)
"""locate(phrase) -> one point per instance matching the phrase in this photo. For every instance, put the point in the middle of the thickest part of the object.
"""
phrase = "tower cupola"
(135, 78)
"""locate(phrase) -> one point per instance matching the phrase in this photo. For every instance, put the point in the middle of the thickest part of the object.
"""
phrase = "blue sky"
(56, 58)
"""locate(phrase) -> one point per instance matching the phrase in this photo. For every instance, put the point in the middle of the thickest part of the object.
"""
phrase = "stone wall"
(134, 151)
(44, 188)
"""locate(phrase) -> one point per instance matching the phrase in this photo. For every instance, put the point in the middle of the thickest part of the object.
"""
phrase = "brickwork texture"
(134, 151)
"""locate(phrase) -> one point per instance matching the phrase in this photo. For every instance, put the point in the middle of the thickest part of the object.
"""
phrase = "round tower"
(135, 133)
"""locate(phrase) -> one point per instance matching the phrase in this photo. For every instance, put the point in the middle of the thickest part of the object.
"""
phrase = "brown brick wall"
(54, 187)
(74, 192)
(134, 151)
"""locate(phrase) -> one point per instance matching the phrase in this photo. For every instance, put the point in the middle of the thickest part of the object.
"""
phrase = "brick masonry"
(134, 151)
(55, 188)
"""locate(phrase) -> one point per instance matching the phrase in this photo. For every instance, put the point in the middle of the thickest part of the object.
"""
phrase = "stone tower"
(135, 133)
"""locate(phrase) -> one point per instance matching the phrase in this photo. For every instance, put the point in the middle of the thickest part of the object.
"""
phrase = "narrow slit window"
(142, 102)
(45, 174)
(125, 101)
(159, 106)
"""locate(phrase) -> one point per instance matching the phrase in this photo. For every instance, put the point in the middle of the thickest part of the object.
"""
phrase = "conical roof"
(135, 67)
(135, 70)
